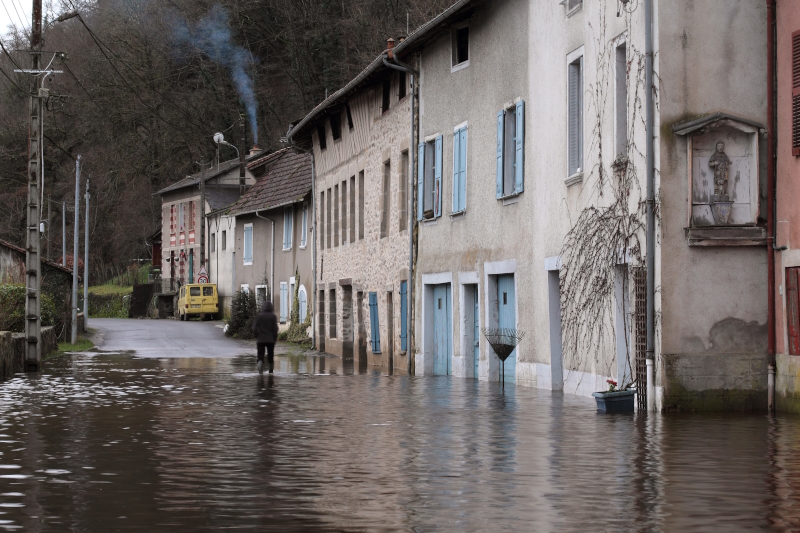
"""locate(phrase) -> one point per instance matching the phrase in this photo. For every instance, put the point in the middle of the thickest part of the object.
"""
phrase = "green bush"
(12, 308)
(243, 311)
(108, 305)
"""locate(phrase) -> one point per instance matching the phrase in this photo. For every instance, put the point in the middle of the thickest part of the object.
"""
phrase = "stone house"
(360, 141)
(181, 219)
(532, 211)
(270, 234)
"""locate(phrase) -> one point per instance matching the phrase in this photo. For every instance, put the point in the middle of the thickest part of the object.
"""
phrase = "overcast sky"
(11, 13)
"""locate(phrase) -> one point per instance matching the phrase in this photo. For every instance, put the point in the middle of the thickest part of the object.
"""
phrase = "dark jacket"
(265, 325)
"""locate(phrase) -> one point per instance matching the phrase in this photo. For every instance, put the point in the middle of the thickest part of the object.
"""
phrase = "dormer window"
(321, 136)
(460, 46)
(336, 126)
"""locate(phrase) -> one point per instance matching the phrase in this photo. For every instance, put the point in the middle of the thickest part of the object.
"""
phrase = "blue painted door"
(477, 332)
(507, 317)
(442, 330)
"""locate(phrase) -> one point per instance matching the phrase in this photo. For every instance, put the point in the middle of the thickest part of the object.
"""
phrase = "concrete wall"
(371, 264)
(788, 215)
(713, 335)
(297, 258)
(12, 349)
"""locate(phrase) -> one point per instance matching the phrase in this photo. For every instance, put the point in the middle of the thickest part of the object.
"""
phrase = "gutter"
(771, 205)
(399, 65)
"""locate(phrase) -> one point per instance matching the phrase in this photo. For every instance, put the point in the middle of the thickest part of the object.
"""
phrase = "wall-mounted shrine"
(723, 181)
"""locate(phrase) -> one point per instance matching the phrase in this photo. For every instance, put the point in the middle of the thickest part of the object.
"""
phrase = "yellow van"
(199, 299)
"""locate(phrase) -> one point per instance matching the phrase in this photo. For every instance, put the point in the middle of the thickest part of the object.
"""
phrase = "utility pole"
(33, 259)
(76, 234)
(63, 234)
(202, 213)
(86, 263)
(49, 214)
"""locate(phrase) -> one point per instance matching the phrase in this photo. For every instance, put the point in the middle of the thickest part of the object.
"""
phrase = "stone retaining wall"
(12, 348)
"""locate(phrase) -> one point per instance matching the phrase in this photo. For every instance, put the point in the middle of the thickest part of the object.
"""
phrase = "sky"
(11, 13)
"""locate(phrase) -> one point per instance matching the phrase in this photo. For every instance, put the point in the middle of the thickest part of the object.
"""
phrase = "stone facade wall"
(371, 263)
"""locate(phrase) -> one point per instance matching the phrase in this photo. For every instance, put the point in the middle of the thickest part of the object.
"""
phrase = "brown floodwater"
(114, 443)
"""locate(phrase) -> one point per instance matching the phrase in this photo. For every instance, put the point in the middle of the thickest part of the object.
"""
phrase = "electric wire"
(21, 19)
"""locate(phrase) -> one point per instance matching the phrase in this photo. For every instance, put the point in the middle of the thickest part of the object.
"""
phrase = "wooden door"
(442, 328)
(793, 310)
(507, 317)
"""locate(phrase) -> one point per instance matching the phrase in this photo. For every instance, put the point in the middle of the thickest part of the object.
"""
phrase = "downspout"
(272, 259)
(771, 207)
(411, 218)
(313, 297)
(651, 230)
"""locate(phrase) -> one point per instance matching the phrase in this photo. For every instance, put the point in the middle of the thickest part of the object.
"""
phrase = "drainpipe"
(771, 205)
(651, 230)
(399, 65)
(272, 259)
(313, 297)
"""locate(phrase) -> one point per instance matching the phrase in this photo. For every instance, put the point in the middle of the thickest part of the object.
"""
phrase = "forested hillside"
(146, 84)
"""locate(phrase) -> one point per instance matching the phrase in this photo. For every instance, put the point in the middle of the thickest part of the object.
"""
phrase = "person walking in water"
(265, 330)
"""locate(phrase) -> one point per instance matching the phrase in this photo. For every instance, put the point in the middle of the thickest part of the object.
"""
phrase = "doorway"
(556, 357)
(347, 321)
(390, 331)
(442, 330)
(321, 308)
(507, 319)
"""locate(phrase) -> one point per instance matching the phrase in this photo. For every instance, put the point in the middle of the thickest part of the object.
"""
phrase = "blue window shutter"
(284, 294)
(462, 168)
(420, 178)
(437, 200)
(519, 162)
(456, 170)
(500, 127)
(403, 315)
(374, 323)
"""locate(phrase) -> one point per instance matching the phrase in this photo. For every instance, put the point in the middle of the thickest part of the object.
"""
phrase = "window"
(291, 298)
(511, 150)
(322, 219)
(460, 46)
(796, 93)
(321, 136)
(261, 295)
(284, 301)
(793, 310)
(401, 91)
(336, 125)
(403, 315)
(288, 227)
(575, 120)
(336, 215)
(304, 227)
(328, 220)
(387, 91)
(194, 291)
(191, 215)
(621, 103)
(344, 212)
(332, 314)
(302, 304)
(213, 243)
(349, 116)
(572, 5)
(248, 244)
(361, 205)
(429, 181)
(402, 192)
(460, 169)
(245, 288)
(352, 208)
(374, 324)
(181, 215)
(386, 203)
(223, 243)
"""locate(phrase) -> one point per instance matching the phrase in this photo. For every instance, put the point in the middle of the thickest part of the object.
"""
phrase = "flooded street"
(115, 443)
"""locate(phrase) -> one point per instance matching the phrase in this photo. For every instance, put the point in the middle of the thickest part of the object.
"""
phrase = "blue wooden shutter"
(519, 161)
(500, 127)
(403, 315)
(284, 294)
(456, 170)
(420, 179)
(462, 169)
(437, 200)
(374, 323)
(303, 307)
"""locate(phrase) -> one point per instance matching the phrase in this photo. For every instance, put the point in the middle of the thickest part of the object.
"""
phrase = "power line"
(13, 82)
(21, 19)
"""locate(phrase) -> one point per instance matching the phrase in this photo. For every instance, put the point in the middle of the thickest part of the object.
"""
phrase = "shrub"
(12, 308)
(243, 311)
(108, 305)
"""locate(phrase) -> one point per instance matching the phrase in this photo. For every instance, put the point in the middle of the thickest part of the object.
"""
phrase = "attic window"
(349, 116)
(401, 93)
(336, 126)
(321, 136)
(573, 5)
(387, 88)
(461, 46)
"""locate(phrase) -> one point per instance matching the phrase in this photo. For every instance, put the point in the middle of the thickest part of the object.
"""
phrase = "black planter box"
(615, 402)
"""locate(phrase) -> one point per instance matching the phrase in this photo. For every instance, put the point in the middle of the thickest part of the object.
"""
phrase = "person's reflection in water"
(265, 329)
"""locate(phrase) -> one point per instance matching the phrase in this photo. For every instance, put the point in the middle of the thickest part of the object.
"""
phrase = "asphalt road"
(166, 338)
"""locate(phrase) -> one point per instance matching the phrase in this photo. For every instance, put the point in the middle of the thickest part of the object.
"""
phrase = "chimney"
(254, 150)
(390, 47)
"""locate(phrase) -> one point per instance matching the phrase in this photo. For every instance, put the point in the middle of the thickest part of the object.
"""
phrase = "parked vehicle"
(198, 299)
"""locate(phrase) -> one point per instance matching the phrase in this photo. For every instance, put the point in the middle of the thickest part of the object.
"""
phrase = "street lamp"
(220, 139)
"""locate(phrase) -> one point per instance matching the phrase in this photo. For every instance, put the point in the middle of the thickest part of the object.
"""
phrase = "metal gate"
(640, 321)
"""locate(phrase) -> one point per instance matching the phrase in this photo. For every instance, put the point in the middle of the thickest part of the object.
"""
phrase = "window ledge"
(430, 222)
(286, 250)
(726, 236)
(302, 247)
(574, 179)
(247, 264)
(460, 66)
(458, 215)
(509, 200)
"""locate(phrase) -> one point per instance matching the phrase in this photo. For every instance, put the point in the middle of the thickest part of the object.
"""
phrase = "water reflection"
(112, 442)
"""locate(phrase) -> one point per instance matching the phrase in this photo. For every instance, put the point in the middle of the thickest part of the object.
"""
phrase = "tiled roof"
(22, 251)
(213, 172)
(219, 196)
(287, 179)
